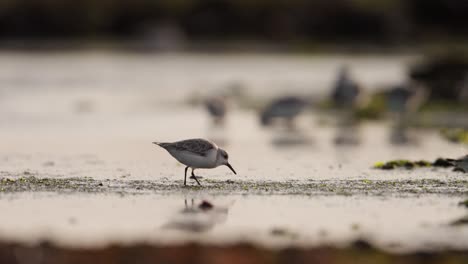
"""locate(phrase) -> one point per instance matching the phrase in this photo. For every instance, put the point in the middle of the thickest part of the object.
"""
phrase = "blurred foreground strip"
(358, 252)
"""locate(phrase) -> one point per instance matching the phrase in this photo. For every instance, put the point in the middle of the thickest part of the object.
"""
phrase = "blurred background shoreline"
(345, 119)
(254, 26)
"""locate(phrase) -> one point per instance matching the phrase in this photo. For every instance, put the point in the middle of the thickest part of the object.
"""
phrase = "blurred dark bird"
(405, 98)
(346, 92)
(285, 108)
(347, 96)
(402, 101)
(217, 108)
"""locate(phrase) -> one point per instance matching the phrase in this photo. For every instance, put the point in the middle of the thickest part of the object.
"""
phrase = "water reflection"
(348, 132)
(280, 118)
(402, 102)
(291, 138)
(347, 96)
(399, 135)
(200, 216)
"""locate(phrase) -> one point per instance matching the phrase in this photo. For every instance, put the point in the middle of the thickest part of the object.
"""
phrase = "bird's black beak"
(229, 166)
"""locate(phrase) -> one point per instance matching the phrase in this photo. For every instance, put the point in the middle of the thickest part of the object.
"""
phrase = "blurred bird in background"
(347, 96)
(402, 101)
(217, 108)
(285, 109)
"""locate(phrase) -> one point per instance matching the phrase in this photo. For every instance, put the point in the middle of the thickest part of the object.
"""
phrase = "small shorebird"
(216, 107)
(286, 108)
(403, 101)
(347, 93)
(197, 154)
(405, 98)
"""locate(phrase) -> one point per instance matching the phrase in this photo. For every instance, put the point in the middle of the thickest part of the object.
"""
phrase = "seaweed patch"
(457, 135)
(407, 164)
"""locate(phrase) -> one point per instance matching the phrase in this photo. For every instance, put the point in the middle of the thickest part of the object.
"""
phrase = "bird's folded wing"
(199, 147)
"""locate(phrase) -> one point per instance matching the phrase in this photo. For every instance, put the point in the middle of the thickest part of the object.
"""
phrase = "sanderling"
(402, 101)
(197, 154)
(347, 93)
(461, 164)
(286, 108)
(405, 98)
(216, 106)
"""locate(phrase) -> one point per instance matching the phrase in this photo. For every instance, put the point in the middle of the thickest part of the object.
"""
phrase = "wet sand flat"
(78, 168)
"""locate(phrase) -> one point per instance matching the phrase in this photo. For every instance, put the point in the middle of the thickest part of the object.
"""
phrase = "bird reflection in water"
(347, 96)
(280, 117)
(402, 102)
(291, 138)
(198, 217)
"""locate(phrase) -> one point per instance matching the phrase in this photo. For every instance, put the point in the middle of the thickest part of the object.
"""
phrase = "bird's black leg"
(185, 178)
(195, 177)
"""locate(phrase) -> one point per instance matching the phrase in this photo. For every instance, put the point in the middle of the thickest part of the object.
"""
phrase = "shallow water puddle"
(397, 224)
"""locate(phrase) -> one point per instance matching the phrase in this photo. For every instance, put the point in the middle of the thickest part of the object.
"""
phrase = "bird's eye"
(225, 156)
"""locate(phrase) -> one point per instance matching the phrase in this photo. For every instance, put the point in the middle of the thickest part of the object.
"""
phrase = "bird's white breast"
(196, 161)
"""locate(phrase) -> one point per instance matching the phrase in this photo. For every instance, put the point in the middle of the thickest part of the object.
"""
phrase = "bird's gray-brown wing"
(197, 146)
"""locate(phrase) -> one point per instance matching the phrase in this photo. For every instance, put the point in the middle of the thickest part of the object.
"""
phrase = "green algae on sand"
(457, 135)
(408, 164)
(295, 187)
(393, 164)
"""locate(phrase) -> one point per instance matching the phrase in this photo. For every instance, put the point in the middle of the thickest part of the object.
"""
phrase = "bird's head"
(222, 159)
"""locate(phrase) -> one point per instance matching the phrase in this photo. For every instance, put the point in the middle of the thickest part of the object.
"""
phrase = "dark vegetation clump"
(442, 74)
(393, 164)
(444, 163)
(407, 164)
(460, 222)
(464, 203)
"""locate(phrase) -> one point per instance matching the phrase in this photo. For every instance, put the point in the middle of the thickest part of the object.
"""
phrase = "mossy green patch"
(393, 164)
(32, 183)
(214, 187)
(455, 135)
(374, 109)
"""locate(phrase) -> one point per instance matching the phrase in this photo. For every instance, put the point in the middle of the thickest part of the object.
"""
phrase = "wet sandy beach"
(77, 166)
